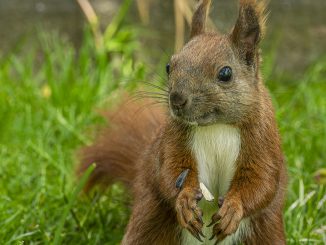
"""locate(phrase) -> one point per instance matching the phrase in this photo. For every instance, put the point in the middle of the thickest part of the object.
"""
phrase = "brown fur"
(199, 18)
(136, 124)
(148, 150)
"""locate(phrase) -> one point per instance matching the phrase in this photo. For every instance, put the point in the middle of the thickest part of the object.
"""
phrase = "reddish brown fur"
(132, 127)
(148, 150)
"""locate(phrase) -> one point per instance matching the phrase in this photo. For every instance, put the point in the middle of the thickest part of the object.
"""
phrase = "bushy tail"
(115, 152)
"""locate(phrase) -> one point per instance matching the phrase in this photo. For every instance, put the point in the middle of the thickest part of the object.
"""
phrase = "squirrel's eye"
(225, 74)
(167, 68)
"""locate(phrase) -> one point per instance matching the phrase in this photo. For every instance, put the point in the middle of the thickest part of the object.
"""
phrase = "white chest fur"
(216, 149)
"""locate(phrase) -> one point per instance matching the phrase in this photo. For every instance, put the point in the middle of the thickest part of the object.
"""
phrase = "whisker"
(156, 86)
(139, 96)
(151, 93)
(151, 97)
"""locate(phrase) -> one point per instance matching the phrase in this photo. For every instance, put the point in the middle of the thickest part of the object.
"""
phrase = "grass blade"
(73, 197)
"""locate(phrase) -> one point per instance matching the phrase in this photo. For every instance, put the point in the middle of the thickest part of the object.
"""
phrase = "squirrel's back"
(131, 127)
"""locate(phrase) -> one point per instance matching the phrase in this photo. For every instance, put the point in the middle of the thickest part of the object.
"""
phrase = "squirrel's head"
(214, 78)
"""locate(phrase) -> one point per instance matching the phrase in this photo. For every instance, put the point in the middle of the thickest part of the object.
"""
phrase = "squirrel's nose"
(178, 101)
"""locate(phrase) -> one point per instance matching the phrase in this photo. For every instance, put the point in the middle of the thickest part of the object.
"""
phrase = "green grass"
(40, 133)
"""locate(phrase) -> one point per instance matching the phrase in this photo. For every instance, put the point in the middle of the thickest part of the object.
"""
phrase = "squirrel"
(220, 131)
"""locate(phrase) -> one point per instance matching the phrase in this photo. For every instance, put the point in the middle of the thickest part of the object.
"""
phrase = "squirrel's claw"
(188, 213)
(227, 219)
(195, 233)
(181, 179)
(215, 218)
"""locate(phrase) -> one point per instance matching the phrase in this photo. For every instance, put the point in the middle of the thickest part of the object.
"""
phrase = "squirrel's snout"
(178, 101)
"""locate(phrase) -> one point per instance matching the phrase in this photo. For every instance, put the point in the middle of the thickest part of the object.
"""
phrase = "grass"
(48, 101)
(301, 114)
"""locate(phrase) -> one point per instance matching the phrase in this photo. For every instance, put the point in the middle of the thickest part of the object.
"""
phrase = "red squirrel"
(220, 132)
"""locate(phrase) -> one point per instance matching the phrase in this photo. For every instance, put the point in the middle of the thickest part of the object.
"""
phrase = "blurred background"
(296, 26)
(61, 61)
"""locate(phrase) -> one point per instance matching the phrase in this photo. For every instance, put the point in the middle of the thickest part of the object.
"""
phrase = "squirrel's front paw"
(188, 213)
(227, 219)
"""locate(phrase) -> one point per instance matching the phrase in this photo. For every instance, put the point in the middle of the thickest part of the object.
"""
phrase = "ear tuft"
(250, 27)
(199, 18)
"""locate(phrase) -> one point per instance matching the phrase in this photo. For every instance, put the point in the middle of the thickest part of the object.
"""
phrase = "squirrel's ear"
(249, 28)
(199, 18)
